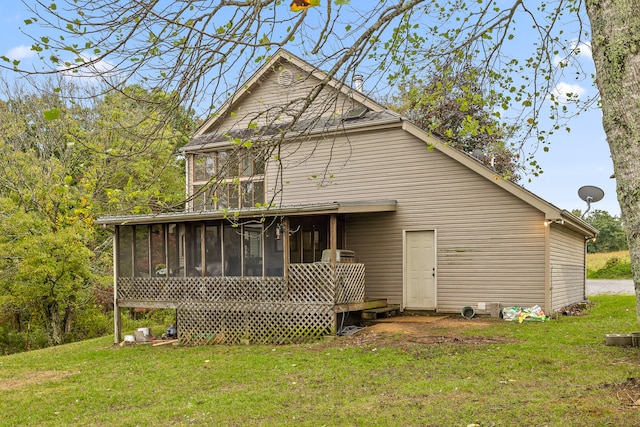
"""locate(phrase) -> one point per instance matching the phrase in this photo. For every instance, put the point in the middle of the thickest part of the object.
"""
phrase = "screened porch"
(261, 279)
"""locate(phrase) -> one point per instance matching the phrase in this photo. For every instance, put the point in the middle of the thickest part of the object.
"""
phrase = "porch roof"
(349, 207)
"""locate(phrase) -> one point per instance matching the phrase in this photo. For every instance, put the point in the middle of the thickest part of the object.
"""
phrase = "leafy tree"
(45, 272)
(56, 176)
(611, 234)
(132, 153)
(452, 105)
(45, 269)
(201, 50)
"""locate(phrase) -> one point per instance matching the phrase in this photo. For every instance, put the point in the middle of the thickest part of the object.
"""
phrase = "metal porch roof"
(349, 207)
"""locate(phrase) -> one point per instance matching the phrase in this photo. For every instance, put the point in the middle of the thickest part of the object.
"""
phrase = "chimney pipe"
(358, 82)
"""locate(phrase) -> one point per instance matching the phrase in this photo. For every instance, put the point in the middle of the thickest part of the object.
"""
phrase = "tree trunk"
(615, 26)
(54, 322)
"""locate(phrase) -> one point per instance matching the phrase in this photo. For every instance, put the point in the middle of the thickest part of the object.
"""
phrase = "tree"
(45, 268)
(611, 235)
(56, 176)
(615, 27)
(452, 106)
(130, 152)
(45, 273)
(192, 48)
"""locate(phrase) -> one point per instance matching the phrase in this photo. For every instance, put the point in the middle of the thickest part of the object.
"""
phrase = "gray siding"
(490, 243)
(278, 103)
(567, 259)
(492, 246)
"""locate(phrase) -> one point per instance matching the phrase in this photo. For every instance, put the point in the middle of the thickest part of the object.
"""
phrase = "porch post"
(333, 246)
(117, 320)
(285, 246)
(203, 249)
(333, 237)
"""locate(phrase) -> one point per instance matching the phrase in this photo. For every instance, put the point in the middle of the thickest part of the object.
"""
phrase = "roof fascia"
(578, 224)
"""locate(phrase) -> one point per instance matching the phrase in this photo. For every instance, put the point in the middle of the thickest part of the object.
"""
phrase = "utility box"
(490, 308)
(494, 309)
(342, 256)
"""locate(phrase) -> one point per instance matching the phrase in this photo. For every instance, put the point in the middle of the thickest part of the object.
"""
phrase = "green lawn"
(556, 373)
(609, 265)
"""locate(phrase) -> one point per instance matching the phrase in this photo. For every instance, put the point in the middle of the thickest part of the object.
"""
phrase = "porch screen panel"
(125, 248)
(253, 250)
(158, 254)
(232, 250)
(173, 249)
(213, 250)
(142, 251)
(308, 238)
(193, 250)
(273, 253)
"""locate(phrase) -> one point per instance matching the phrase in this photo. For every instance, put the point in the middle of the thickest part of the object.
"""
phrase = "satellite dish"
(590, 194)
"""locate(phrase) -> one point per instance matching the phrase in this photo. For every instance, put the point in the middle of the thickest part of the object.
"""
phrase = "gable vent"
(285, 78)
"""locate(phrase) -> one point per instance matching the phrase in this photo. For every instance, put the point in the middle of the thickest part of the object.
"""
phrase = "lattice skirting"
(258, 309)
(224, 323)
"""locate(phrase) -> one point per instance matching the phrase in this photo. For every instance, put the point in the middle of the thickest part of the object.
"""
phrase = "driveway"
(598, 287)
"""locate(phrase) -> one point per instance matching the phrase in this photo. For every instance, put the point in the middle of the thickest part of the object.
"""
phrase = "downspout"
(548, 275)
(584, 269)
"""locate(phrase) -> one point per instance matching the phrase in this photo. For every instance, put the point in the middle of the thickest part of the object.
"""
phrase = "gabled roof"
(209, 135)
(282, 56)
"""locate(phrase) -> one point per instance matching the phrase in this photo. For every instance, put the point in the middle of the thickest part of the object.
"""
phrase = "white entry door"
(420, 270)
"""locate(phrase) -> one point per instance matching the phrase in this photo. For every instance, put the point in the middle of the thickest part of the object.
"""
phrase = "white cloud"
(576, 50)
(566, 92)
(21, 52)
(581, 49)
(557, 60)
(91, 72)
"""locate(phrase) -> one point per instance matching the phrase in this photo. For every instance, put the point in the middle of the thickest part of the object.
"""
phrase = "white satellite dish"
(590, 194)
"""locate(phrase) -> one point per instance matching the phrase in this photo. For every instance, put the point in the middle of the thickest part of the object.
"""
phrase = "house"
(293, 220)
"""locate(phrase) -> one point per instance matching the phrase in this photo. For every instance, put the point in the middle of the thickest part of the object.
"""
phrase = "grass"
(557, 373)
(611, 265)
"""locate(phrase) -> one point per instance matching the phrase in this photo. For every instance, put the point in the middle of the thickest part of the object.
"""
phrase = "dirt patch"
(406, 330)
(627, 392)
(33, 377)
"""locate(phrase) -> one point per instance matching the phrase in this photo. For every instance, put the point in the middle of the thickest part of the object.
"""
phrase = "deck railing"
(255, 309)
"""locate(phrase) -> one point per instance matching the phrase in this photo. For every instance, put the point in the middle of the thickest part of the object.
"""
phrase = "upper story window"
(227, 179)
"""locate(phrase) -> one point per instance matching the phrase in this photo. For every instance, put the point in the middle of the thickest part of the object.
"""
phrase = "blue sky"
(575, 159)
